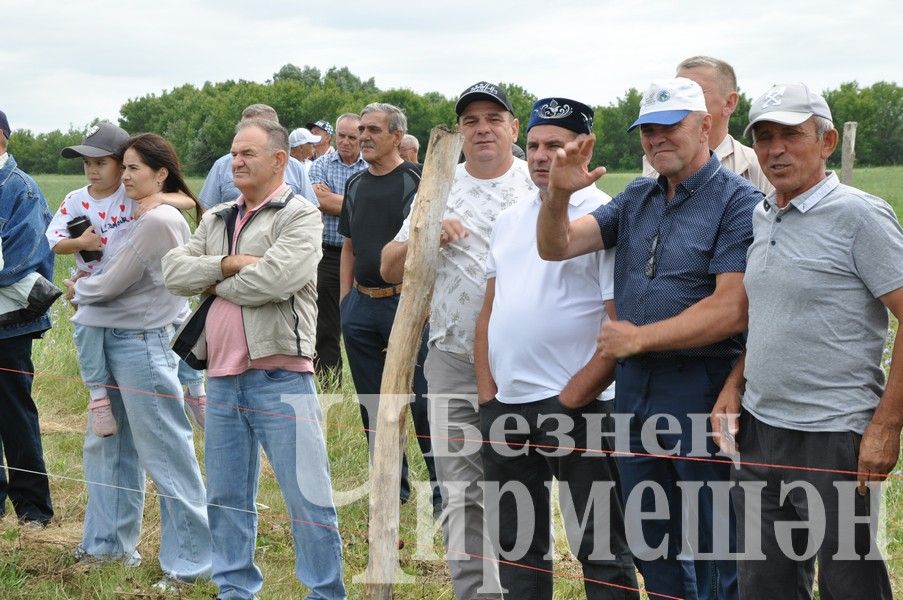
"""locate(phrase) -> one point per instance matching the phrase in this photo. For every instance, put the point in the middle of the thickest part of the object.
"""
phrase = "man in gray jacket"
(256, 261)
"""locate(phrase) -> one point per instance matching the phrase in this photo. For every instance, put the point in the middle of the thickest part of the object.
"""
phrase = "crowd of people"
(696, 362)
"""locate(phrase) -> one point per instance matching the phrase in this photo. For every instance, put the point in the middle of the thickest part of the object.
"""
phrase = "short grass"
(38, 565)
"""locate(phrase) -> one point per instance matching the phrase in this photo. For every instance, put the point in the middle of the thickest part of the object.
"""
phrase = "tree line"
(200, 121)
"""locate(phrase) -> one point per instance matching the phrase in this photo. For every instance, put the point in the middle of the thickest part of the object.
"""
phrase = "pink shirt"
(227, 346)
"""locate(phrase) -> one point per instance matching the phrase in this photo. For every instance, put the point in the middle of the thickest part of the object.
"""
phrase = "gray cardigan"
(129, 292)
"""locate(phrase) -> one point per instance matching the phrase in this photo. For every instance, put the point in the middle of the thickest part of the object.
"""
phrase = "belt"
(331, 248)
(376, 292)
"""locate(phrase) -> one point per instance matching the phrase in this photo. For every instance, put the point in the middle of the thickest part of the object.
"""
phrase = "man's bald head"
(260, 111)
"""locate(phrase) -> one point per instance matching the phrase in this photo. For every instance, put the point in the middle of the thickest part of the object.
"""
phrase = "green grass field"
(39, 565)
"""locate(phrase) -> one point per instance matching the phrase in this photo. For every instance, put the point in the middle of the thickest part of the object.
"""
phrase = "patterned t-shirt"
(108, 216)
(461, 279)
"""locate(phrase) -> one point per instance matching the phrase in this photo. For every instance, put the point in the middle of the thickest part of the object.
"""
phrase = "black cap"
(562, 112)
(483, 91)
(104, 139)
(322, 124)
(4, 125)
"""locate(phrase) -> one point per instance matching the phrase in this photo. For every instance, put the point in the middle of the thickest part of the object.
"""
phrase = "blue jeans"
(188, 375)
(154, 436)
(91, 359)
(93, 363)
(279, 411)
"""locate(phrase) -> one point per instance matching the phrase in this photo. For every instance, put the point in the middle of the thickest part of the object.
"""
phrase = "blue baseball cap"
(669, 101)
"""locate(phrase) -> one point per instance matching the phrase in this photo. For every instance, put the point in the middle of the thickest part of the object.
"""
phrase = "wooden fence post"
(404, 342)
(849, 152)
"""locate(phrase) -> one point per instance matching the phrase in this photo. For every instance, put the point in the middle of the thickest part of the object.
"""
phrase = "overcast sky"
(65, 63)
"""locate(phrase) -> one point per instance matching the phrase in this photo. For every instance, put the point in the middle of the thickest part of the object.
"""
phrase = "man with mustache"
(377, 200)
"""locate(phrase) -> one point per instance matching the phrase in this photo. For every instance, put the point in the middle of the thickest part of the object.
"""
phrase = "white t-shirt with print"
(109, 216)
(460, 277)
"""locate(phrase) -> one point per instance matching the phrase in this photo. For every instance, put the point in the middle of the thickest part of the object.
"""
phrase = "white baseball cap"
(302, 135)
(669, 101)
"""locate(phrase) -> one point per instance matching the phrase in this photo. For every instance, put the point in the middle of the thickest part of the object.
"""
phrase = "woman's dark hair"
(157, 153)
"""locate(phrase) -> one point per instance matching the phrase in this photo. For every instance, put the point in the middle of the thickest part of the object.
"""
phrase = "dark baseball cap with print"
(562, 112)
(4, 125)
(483, 91)
(322, 124)
(104, 139)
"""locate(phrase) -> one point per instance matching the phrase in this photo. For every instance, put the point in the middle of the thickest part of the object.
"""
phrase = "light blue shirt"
(219, 187)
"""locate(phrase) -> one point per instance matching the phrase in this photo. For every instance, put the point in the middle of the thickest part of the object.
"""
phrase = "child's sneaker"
(104, 422)
(197, 406)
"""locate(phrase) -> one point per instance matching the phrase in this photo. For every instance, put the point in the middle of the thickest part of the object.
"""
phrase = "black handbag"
(188, 343)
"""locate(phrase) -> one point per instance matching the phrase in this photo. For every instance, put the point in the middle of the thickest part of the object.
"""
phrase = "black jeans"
(603, 552)
(782, 577)
(329, 326)
(20, 434)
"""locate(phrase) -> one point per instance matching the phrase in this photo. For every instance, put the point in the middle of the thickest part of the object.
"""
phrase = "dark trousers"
(578, 471)
(20, 434)
(366, 324)
(329, 325)
(782, 577)
(677, 387)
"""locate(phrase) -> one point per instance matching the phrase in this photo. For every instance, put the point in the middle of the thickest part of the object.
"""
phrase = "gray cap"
(104, 139)
(787, 104)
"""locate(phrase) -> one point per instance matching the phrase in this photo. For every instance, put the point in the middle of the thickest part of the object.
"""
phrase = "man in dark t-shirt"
(377, 200)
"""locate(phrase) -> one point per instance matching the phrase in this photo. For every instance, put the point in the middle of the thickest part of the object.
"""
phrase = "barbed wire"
(449, 551)
(554, 447)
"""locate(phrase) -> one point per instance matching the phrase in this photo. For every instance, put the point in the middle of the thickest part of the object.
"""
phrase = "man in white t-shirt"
(489, 180)
(536, 352)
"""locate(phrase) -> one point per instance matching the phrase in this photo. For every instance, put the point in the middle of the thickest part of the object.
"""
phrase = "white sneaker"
(169, 585)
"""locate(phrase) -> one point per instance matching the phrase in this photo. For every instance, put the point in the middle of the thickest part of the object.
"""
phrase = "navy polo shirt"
(704, 230)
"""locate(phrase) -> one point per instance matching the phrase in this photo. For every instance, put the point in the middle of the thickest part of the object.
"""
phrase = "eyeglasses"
(650, 260)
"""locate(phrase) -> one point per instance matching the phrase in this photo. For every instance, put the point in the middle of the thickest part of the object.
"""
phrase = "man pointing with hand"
(681, 252)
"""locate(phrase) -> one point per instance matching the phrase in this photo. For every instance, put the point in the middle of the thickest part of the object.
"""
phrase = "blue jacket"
(24, 216)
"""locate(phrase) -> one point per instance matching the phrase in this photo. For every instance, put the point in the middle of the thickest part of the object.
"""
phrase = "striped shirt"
(330, 169)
